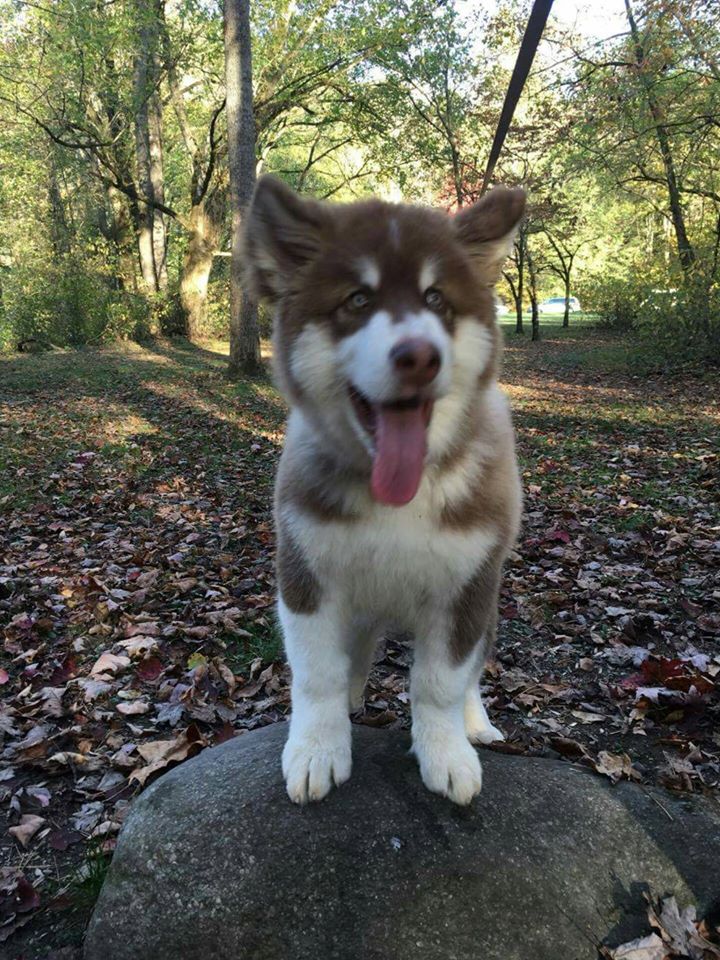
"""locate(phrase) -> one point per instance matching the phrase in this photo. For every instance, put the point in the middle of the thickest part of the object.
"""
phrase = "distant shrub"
(217, 320)
(617, 302)
(676, 322)
(684, 323)
(69, 302)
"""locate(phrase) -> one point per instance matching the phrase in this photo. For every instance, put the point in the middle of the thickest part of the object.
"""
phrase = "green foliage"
(684, 324)
(352, 97)
(617, 301)
(69, 303)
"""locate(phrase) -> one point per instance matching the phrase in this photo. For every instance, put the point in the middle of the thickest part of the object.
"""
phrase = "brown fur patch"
(298, 585)
(491, 499)
(317, 486)
(494, 496)
(474, 612)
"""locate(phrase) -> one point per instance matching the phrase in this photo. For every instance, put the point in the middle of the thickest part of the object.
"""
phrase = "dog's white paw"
(314, 764)
(478, 727)
(484, 733)
(449, 766)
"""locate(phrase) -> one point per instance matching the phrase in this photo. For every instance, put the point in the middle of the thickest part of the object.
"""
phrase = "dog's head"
(385, 327)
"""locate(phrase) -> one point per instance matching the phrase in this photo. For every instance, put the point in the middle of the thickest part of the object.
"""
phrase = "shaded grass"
(586, 346)
(579, 409)
(122, 405)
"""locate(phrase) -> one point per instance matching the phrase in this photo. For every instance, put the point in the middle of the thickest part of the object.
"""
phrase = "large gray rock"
(214, 862)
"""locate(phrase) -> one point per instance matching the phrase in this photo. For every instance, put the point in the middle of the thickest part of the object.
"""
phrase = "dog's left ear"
(283, 233)
(488, 227)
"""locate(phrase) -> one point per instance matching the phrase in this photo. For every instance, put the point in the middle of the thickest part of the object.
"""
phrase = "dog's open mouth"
(399, 433)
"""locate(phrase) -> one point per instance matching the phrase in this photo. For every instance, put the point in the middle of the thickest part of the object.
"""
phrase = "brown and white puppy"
(398, 496)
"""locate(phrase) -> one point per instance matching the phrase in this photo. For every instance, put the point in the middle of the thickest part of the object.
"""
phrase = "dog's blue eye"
(358, 300)
(434, 299)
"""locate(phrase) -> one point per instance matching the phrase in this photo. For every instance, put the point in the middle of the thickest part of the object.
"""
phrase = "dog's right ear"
(283, 234)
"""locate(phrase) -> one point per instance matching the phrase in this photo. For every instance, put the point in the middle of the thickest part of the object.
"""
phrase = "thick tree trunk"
(148, 152)
(205, 228)
(686, 252)
(566, 314)
(244, 338)
(122, 235)
(195, 275)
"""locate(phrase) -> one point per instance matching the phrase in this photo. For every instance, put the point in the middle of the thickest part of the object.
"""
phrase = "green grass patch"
(265, 642)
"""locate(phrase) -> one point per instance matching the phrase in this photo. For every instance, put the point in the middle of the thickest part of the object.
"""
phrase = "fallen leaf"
(109, 663)
(62, 839)
(646, 948)
(26, 896)
(139, 645)
(92, 689)
(680, 930)
(584, 716)
(133, 708)
(616, 766)
(160, 753)
(150, 669)
(568, 748)
(29, 825)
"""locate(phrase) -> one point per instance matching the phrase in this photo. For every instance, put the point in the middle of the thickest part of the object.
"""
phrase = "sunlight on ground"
(222, 347)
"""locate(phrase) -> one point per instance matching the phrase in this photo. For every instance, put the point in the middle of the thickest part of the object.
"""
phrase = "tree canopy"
(116, 176)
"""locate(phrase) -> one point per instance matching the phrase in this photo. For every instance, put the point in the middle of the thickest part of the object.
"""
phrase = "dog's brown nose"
(416, 361)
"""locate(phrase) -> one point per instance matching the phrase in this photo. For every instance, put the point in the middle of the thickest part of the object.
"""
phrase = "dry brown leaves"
(680, 935)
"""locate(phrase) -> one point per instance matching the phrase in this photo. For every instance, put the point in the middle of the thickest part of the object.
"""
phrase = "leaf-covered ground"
(136, 590)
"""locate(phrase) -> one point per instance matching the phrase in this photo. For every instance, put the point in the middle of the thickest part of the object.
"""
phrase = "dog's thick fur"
(350, 283)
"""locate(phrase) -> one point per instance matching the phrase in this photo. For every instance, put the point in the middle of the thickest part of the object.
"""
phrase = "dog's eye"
(434, 299)
(358, 300)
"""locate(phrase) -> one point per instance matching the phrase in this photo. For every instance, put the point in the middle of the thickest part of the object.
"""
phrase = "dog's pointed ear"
(283, 233)
(488, 228)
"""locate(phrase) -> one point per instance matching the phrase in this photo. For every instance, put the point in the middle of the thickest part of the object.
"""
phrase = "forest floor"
(136, 589)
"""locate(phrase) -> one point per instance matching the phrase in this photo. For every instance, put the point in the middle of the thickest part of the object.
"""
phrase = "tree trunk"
(205, 227)
(59, 230)
(157, 179)
(521, 285)
(516, 292)
(148, 152)
(244, 338)
(686, 253)
(566, 314)
(533, 297)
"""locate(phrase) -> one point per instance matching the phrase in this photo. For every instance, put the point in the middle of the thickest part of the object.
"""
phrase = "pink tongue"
(400, 455)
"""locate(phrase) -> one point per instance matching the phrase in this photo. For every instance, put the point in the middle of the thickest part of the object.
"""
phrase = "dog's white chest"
(393, 560)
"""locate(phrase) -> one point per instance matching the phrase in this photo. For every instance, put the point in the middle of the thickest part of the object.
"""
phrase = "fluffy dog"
(398, 496)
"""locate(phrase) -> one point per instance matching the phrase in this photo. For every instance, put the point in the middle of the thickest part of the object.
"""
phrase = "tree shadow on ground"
(59, 406)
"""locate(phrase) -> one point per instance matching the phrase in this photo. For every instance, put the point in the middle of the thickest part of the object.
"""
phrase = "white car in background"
(557, 305)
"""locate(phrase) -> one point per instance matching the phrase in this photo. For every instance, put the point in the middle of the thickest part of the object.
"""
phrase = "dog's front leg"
(448, 763)
(317, 754)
